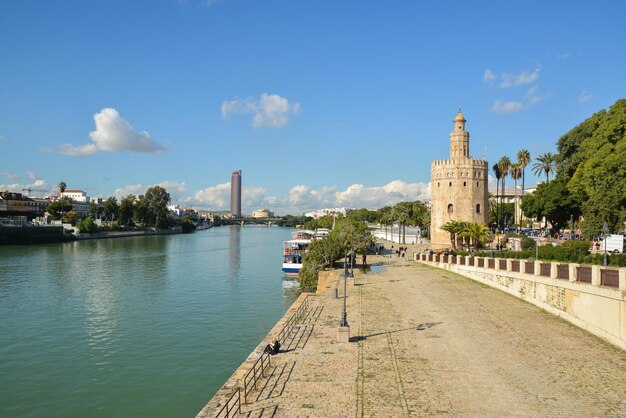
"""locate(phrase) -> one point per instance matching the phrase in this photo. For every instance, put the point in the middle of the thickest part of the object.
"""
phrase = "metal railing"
(230, 409)
(293, 320)
(254, 374)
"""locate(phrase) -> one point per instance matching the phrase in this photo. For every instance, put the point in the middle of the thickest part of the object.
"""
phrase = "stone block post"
(537, 268)
(573, 272)
(622, 278)
(509, 264)
(522, 266)
(595, 275)
(496, 264)
(553, 270)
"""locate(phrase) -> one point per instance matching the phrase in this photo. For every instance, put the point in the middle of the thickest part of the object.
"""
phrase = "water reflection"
(234, 251)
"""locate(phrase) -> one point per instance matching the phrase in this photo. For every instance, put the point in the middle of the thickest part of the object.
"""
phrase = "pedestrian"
(364, 260)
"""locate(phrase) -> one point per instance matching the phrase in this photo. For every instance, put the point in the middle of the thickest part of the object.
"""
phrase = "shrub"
(87, 225)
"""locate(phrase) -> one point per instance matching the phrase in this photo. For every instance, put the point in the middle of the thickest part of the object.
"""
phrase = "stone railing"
(591, 297)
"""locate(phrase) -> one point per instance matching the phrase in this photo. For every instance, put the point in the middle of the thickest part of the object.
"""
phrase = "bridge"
(252, 221)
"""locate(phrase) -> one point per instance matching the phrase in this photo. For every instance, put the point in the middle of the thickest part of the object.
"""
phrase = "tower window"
(438, 184)
(476, 184)
(450, 184)
(478, 208)
(464, 184)
(450, 209)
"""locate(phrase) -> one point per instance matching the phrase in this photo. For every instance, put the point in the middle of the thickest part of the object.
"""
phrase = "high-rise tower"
(458, 186)
(235, 194)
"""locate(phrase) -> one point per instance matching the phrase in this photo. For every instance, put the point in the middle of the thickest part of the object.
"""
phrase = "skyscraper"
(235, 194)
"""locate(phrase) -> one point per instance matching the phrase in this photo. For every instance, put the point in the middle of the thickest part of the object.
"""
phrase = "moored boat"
(294, 250)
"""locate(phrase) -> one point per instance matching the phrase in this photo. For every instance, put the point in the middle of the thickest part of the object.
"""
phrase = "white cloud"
(533, 97)
(302, 198)
(271, 110)
(11, 176)
(113, 134)
(37, 185)
(521, 78)
(489, 75)
(563, 55)
(584, 96)
(218, 197)
(174, 188)
(500, 106)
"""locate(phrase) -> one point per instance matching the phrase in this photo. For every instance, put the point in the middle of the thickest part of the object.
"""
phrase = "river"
(134, 327)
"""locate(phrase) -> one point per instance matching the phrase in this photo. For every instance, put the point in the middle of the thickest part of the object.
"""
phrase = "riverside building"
(458, 186)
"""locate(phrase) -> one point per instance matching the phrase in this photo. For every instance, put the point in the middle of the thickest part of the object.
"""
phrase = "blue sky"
(319, 103)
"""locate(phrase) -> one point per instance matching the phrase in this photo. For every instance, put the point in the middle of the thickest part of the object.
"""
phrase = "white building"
(328, 211)
(76, 195)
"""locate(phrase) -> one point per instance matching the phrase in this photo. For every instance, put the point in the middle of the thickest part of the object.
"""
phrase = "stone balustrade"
(591, 297)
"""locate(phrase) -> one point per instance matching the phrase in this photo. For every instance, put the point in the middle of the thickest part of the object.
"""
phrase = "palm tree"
(478, 233)
(516, 173)
(523, 158)
(62, 187)
(454, 228)
(545, 163)
(498, 174)
(504, 164)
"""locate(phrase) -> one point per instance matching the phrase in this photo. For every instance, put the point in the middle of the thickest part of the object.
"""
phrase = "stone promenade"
(429, 342)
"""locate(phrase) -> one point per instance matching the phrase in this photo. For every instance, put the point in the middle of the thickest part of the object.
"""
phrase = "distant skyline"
(320, 104)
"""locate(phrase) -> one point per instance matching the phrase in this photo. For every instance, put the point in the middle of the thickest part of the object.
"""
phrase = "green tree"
(187, 225)
(554, 202)
(58, 207)
(504, 164)
(592, 160)
(454, 228)
(152, 206)
(111, 208)
(62, 187)
(516, 173)
(72, 217)
(478, 233)
(523, 159)
(127, 210)
(498, 174)
(87, 225)
(546, 163)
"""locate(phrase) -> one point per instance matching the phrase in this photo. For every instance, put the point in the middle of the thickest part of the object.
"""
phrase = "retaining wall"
(590, 297)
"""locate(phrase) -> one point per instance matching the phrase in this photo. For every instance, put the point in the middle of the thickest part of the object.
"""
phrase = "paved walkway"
(430, 342)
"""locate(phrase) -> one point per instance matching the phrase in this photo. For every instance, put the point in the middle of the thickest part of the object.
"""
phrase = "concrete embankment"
(20, 235)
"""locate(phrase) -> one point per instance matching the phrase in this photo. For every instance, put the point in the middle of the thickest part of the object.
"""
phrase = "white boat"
(294, 250)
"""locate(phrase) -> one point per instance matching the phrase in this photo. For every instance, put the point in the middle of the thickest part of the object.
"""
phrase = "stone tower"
(458, 186)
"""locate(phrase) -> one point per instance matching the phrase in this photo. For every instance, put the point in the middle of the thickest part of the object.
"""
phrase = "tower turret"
(459, 138)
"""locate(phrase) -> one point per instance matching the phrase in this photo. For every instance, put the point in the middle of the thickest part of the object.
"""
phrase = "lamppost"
(344, 313)
(605, 233)
(537, 248)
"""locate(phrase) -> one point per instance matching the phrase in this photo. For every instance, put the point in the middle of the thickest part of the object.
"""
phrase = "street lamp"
(605, 233)
(344, 314)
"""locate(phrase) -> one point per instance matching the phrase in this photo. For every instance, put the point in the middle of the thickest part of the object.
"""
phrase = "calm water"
(134, 327)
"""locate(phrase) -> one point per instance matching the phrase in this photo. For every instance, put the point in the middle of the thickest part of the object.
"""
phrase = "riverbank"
(430, 342)
(32, 235)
